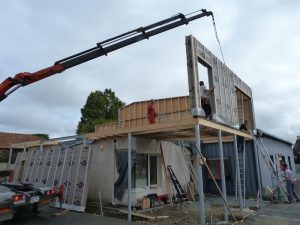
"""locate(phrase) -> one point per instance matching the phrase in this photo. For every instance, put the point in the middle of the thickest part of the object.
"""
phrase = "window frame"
(217, 168)
(148, 175)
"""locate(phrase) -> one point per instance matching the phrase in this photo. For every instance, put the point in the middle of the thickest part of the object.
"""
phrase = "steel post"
(200, 179)
(129, 177)
(223, 174)
(10, 155)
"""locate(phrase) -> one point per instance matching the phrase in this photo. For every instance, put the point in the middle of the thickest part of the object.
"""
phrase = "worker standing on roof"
(151, 112)
(205, 103)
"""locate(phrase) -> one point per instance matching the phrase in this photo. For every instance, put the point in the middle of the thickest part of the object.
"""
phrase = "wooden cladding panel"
(161, 106)
(169, 106)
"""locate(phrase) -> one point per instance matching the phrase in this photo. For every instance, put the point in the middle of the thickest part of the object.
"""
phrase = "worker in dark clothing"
(151, 112)
(244, 126)
(240, 139)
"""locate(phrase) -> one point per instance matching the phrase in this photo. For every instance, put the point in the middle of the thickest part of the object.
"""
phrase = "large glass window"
(141, 171)
(144, 172)
(153, 169)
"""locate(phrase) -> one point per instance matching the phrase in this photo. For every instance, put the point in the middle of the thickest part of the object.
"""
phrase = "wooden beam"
(33, 143)
(138, 215)
(210, 129)
(224, 128)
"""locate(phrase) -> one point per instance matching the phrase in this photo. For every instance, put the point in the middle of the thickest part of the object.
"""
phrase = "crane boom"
(10, 84)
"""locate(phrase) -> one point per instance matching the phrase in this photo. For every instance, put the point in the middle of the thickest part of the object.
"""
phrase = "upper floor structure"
(231, 103)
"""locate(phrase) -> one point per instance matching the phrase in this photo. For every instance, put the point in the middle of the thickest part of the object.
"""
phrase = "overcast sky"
(260, 41)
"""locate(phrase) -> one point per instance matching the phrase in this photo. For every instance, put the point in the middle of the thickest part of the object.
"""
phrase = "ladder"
(190, 166)
(242, 166)
(272, 168)
(181, 193)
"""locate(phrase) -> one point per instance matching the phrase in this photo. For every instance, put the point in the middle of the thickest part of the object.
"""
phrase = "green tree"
(100, 107)
(43, 136)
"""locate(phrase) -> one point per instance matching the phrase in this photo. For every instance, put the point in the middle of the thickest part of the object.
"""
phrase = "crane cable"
(216, 33)
(217, 37)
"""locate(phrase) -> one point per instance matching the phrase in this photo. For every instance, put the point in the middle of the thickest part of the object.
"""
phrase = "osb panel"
(225, 81)
(138, 110)
(135, 114)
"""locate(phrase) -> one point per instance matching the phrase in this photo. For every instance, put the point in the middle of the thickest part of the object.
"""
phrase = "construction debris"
(138, 215)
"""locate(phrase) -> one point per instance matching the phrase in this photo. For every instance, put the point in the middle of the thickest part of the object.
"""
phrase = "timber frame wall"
(231, 100)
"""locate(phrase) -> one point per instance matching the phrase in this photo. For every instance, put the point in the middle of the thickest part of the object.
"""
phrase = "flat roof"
(174, 130)
(266, 134)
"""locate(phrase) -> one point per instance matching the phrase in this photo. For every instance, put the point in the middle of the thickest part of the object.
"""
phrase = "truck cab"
(23, 199)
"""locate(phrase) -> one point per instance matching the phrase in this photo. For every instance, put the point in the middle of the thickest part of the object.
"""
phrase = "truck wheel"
(29, 211)
(34, 211)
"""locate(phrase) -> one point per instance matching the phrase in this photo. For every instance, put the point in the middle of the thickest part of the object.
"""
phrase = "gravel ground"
(184, 214)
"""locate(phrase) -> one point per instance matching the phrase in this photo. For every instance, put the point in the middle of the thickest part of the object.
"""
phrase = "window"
(140, 171)
(215, 167)
(153, 169)
(281, 158)
(144, 172)
(4, 153)
(290, 164)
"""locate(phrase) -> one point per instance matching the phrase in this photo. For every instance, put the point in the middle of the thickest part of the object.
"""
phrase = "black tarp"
(122, 165)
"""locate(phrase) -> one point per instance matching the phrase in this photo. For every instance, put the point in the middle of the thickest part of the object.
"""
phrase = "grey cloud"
(259, 39)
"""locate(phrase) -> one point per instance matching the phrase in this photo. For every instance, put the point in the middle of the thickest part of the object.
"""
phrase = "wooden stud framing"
(172, 130)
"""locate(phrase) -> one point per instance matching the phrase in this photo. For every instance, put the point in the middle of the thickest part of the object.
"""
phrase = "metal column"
(129, 177)
(258, 172)
(9, 164)
(200, 179)
(223, 174)
(237, 167)
(10, 155)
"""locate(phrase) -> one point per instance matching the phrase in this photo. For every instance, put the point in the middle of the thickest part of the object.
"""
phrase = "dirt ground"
(183, 214)
(188, 213)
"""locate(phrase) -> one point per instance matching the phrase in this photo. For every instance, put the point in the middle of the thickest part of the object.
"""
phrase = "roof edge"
(266, 134)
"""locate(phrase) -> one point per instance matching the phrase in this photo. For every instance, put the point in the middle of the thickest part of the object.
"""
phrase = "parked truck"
(23, 199)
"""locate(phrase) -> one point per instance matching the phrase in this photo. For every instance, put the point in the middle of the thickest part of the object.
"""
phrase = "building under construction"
(123, 161)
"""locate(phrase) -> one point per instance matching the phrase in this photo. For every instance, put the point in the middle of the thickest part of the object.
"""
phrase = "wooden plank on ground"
(137, 214)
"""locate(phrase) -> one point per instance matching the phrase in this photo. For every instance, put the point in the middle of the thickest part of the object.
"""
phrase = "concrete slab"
(283, 214)
(66, 218)
(277, 214)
